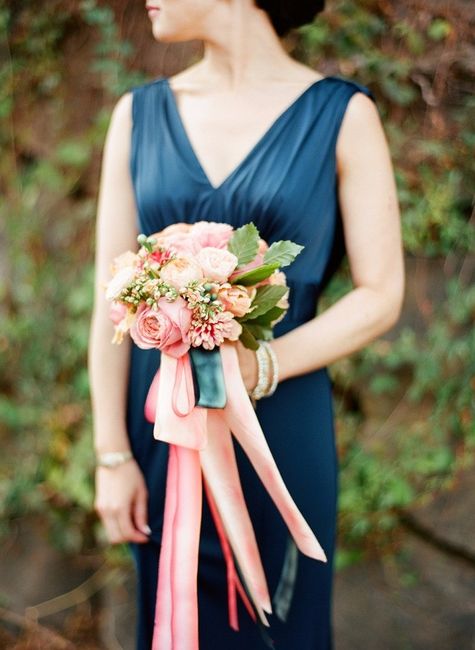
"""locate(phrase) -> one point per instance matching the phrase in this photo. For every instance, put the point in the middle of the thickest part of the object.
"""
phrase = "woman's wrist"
(111, 441)
(278, 348)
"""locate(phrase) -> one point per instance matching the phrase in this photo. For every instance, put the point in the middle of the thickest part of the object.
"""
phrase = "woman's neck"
(244, 50)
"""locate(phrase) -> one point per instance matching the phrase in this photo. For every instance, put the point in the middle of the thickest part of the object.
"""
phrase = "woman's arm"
(371, 220)
(115, 233)
(121, 494)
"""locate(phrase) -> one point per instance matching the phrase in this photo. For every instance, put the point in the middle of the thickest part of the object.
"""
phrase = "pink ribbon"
(200, 442)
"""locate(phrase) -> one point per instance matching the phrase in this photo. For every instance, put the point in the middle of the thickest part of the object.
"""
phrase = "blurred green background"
(404, 405)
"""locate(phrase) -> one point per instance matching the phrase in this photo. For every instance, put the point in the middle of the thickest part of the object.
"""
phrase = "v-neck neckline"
(260, 141)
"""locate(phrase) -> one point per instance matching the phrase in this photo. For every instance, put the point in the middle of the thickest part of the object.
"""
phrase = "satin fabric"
(288, 186)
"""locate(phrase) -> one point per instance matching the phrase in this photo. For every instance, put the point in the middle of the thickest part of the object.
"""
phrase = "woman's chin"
(160, 33)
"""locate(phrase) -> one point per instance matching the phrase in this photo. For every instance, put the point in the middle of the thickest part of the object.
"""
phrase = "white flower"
(121, 279)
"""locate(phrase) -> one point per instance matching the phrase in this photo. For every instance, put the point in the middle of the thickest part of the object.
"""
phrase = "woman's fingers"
(112, 528)
(127, 528)
(121, 502)
(119, 525)
(139, 511)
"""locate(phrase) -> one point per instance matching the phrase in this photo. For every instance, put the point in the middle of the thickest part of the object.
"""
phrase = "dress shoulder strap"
(147, 117)
(340, 90)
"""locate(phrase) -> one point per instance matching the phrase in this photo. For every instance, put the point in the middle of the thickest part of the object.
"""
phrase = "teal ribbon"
(285, 589)
(208, 377)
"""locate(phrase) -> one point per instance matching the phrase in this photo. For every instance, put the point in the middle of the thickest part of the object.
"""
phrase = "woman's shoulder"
(147, 86)
(349, 86)
(124, 111)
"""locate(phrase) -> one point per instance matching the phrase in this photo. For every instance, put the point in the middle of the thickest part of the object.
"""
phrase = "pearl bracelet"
(275, 369)
(262, 372)
(266, 381)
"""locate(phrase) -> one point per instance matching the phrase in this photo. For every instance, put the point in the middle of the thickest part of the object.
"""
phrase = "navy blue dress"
(286, 185)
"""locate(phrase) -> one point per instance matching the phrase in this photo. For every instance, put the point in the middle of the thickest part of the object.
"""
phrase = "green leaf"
(439, 29)
(74, 153)
(268, 317)
(259, 331)
(244, 243)
(248, 339)
(282, 252)
(255, 275)
(266, 298)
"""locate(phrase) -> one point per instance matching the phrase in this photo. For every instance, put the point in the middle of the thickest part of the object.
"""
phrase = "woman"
(246, 134)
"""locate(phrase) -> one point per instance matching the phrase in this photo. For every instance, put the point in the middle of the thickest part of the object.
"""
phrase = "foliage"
(403, 404)
(46, 284)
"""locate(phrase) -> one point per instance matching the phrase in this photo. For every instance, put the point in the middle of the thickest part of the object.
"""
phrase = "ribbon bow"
(200, 443)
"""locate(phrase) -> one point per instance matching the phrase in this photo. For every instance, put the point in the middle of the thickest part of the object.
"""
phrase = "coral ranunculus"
(165, 328)
(235, 299)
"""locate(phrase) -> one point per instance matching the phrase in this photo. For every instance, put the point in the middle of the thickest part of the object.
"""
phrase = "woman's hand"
(248, 365)
(121, 502)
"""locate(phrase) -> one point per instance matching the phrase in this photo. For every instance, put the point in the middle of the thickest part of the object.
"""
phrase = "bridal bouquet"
(197, 285)
(191, 291)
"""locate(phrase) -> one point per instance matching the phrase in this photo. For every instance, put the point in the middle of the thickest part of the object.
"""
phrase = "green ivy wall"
(404, 405)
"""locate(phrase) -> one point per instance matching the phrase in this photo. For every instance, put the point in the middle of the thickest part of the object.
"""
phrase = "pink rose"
(235, 299)
(165, 328)
(216, 263)
(181, 243)
(213, 234)
(173, 229)
(180, 271)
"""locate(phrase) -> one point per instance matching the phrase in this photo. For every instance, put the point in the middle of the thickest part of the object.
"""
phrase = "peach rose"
(165, 328)
(263, 246)
(124, 260)
(235, 299)
(278, 278)
(175, 236)
(216, 263)
(180, 271)
(171, 230)
(215, 235)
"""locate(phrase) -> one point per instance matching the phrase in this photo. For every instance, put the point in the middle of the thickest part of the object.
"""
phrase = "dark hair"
(288, 14)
